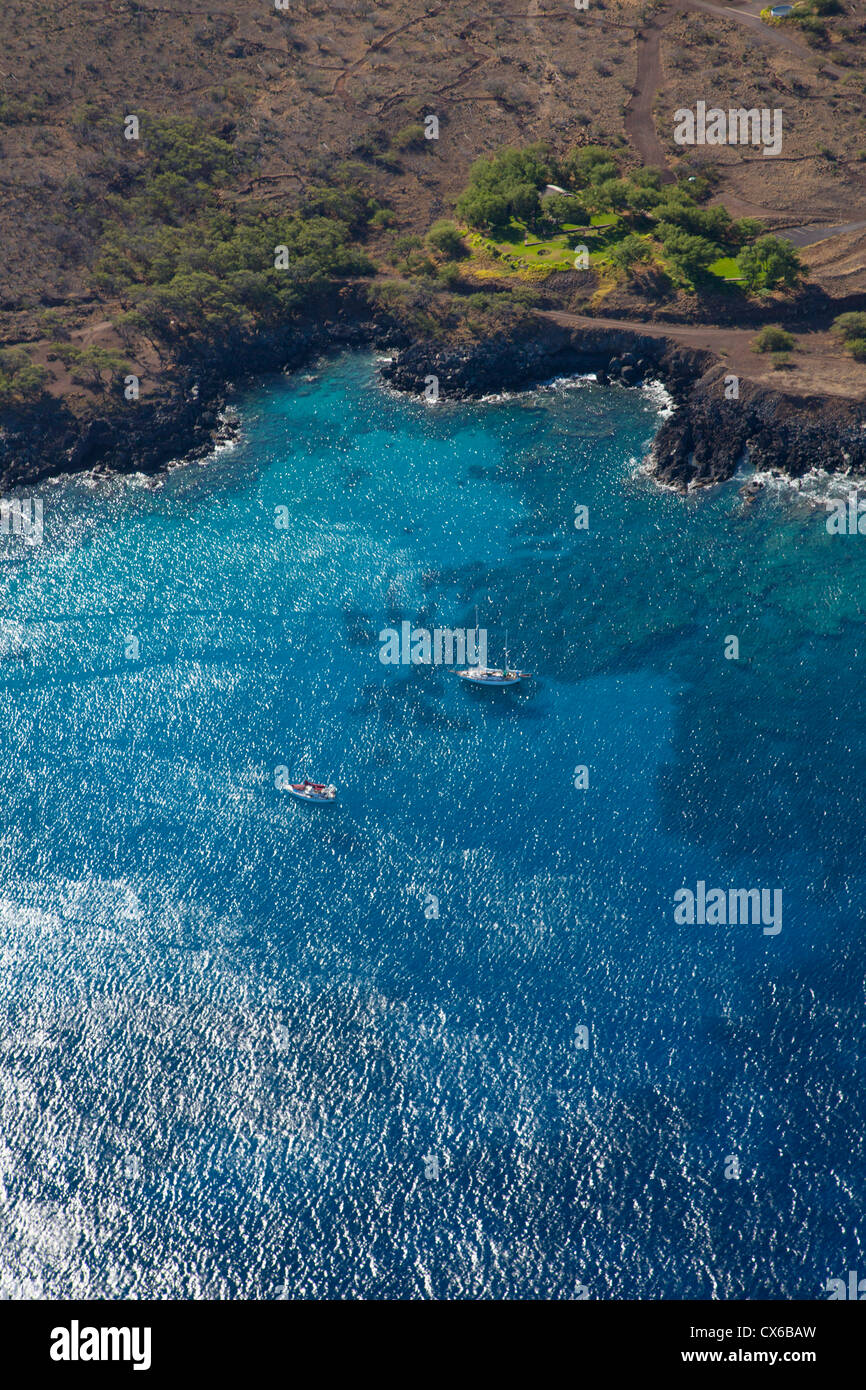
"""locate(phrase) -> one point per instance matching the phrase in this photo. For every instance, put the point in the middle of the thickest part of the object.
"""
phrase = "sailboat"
(493, 675)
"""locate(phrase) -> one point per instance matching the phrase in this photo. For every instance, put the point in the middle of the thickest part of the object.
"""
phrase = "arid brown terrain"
(300, 90)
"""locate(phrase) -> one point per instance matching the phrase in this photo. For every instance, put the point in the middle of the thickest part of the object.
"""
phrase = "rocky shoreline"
(705, 438)
(186, 419)
(703, 441)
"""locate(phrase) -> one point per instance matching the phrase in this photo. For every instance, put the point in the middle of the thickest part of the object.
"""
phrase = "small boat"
(486, 675)
(313, 791)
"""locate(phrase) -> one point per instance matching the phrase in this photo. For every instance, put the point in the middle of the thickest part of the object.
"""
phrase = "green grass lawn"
(523, 252)
(555, 254)
(725, 268)
(520, 252)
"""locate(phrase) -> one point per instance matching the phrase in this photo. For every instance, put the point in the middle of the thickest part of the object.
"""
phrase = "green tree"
(591, 164)
(505, 185)
(768, 264)
(648, 177)
(628, 252)
(745, 229)
(20, 379)
(489, 212)
(565, 207)
(690, 254)
(642, 197)
(610, 195)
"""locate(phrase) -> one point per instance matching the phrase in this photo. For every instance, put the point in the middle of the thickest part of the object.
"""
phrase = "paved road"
(807, 236)
(768, 33)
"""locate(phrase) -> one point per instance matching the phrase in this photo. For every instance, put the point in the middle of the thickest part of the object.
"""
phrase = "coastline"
(706, 436)
(703, 441)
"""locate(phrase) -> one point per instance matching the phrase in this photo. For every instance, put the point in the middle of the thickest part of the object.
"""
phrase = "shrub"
(392, 292)
(772, 338)
(810, 22)
(53, 322)
(181, 147)
(382, 217)
(411, 137)
(449, 275)
(409, 241)
(443, 236)
(21, 110)
(852, 325)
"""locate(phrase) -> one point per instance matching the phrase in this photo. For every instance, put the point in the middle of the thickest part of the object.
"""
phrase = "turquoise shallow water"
(235, 1033)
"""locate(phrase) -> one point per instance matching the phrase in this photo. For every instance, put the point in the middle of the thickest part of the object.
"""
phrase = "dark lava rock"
(707, 436)
(702, 442)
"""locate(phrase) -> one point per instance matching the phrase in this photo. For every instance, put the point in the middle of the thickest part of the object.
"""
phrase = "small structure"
(551, 188)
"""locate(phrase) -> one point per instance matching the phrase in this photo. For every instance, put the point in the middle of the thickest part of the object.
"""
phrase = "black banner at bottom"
(158, 1343)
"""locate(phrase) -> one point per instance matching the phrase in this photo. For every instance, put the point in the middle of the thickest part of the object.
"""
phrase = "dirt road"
(639, 124)
(818, 366)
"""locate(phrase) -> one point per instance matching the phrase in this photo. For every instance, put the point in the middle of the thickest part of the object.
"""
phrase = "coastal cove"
(793, 432)
(432, 594)
(240, 1030)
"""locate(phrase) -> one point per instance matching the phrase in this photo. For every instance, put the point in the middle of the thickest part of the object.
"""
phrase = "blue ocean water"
(241, 1035)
